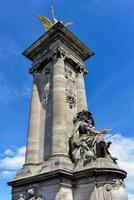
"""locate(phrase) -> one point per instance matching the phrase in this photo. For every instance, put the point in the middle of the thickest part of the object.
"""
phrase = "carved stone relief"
(86, 143)
(115, 190)
(31, 195)
(45, 84)
(70, 86)
(58, 54)
(22, 197)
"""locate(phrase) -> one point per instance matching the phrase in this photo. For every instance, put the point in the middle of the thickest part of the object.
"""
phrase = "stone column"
(64, 193)
(81, 93)
(32, 152)
(42, 133)
(59, 137)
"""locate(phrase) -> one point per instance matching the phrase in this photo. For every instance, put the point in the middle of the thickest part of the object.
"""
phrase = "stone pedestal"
(58, 94)
(93, 184)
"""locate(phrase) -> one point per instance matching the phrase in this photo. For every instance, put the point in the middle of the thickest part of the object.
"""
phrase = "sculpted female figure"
(87, 143)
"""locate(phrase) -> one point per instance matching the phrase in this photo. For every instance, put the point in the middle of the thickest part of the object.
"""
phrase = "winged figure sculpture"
(47, 23)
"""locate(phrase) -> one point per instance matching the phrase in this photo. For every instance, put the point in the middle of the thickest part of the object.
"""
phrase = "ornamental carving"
(31, 195)
(58, 54)
(115, 190)
(22, 197)
(71, 100)
(86, 143)
(45, 84)
(70, 87)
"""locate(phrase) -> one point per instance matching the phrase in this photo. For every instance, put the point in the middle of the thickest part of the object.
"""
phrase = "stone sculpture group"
(87, 143)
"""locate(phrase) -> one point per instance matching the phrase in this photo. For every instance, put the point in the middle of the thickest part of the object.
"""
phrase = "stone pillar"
(42, 133)
(59, 141)
(32, 151)
(64, 193)
(81, 94)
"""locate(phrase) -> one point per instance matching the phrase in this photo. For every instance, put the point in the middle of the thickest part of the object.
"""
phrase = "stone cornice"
(74, 176)
(58, 32)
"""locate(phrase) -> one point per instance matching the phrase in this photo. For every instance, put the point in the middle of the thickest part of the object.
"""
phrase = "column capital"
(81, 68)
(54, 54)
(35, 68)
(59, 53)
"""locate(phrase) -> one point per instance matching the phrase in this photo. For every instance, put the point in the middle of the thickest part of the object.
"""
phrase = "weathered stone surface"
(62, 185)
(58, 94)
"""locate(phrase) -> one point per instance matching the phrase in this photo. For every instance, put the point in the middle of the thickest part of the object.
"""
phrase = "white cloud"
(9, 152)
(7, 174)
(10, 164)
(123, 148)
(130, 196)
(21, 151)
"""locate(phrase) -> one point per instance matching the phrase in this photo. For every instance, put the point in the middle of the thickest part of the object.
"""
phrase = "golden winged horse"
(47, 23)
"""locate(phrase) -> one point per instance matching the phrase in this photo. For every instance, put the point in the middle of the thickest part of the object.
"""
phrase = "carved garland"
(45, 82)
(70, 88)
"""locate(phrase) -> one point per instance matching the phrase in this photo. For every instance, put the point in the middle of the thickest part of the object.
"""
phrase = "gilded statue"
(47, 23)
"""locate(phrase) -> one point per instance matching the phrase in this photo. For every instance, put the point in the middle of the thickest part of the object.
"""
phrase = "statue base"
(93, 184)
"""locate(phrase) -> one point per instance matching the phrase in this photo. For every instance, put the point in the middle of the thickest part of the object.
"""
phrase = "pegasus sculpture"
(47, 23)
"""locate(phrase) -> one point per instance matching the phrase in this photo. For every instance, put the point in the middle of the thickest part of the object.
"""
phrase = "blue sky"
(105, 26)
